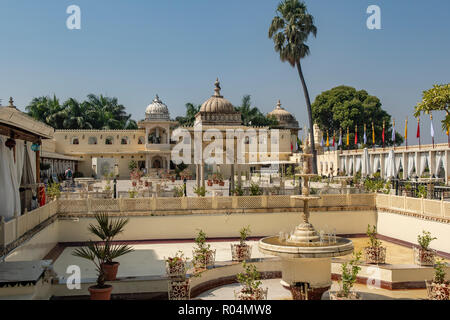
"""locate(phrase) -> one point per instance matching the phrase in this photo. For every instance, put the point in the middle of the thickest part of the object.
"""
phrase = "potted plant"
(54, 190)
(200, 191)
(107, 229)
(349, 275)
(132, 193)
(438, 288)
(97, 254)
(241, 251)
(238, 190)
(203, 256)
(255, 190)
(215, 178)
(408, 188)
(423, 255)
(176, 266)
(251, 284)
(374, 253)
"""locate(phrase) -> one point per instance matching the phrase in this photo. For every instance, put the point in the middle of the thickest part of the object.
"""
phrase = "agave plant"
(107, 229)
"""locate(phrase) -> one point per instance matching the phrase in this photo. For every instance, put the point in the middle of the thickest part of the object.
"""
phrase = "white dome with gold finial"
(284, 117)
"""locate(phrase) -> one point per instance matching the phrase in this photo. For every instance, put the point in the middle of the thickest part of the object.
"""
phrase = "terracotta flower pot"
(100, 293)
(110, 270)
(221, 183)
(216, 181)
(210, 183)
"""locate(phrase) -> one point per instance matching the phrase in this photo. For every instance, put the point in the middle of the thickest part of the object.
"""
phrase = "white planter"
(177, 271)
(207, 261)
(337, 295)
(179, 290)
(259, 294)
(241, 252)
(424, 257)
(375, 255)
(438, 291)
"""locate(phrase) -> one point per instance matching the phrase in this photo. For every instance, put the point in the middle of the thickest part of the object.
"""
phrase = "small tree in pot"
(374, 253)
(176, 266)
(349, 275)
(242, 251)
(438, 288)
(423, 255)
(203, 256)
(251, 284)
(97, 254)
(107, 229)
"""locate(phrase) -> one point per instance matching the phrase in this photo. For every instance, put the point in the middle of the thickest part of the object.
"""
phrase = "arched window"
(124, 140)
(141, 140)
(109, 140)
(92, 140)
(75, 140)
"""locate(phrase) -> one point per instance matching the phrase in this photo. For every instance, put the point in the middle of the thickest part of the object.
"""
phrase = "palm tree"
(77, 115)
(47, 110)
(189, 119)
(109, 114)
(252, 116)
(290, 30)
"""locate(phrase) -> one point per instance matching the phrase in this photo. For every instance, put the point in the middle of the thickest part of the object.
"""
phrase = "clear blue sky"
(176, 48)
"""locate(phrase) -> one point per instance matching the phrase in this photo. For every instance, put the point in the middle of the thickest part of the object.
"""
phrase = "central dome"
(217, 103)
(157, 110)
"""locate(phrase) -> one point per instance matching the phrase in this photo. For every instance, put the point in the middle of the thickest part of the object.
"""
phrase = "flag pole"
(418, 130)
(393, 133)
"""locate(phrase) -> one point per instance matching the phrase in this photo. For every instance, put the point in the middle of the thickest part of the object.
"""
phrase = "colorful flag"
(348, 136)
(373, 134)
(365, 136)
(393, 132)
(418, 130)
(356, 135)
(334, 137)
(340, 137)
(432, 129)
(328, 140)
(406, 132)
(382, 134)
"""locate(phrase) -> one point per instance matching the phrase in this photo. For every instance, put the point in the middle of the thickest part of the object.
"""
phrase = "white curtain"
(439, 160)
(386, 165)
(376, 163)
(423, 162)
(343, 164)
(358, 164)
(9, 194)
(411, 162)
(32, 156)
(350, 166)
(365, 163)
(398, 162)
(20, 153)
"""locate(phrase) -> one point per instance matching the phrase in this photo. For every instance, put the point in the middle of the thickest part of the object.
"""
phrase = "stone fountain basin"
(273, 246)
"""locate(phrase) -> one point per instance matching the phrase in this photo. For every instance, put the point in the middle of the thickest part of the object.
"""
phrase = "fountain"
(306, 255)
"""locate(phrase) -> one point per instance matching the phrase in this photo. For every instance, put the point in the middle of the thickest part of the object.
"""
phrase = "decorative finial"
(157, 99)
(217, 88)
(11, 102)
(279, 104)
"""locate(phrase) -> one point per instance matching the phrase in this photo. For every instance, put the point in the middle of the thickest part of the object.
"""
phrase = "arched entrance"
(156, 164)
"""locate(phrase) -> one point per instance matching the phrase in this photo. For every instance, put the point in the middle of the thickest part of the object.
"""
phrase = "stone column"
(382, 166)
(446, 164)
(405, 164)
(417, 163)
(232, 177)
(432, 164)
(202, 174)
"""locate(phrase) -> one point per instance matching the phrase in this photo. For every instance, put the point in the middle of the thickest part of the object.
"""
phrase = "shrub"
(439, 271)
(249, 279)
(255, 190)
(244, 232)
(349, 274)
(425, 239)
(372, 234)
(200, 191)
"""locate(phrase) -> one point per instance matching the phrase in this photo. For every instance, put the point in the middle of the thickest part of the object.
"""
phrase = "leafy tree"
(435, 99)
(189, 119)
(290, 30)
(77, 115)
(252, 116)
(47, 110)
(344, 107)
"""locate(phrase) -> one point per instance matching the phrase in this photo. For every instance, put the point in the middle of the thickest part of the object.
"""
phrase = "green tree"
(189, 119)
(290, 30)
(47, 110)
(435, 99)
(252, 116)
(78, 115)
(344, 107)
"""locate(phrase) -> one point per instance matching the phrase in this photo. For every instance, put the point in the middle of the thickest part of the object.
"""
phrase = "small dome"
(284, 117)
(217, 103)
(157, 110)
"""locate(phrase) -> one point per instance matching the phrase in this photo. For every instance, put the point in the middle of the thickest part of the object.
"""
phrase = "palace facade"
(100, 152)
